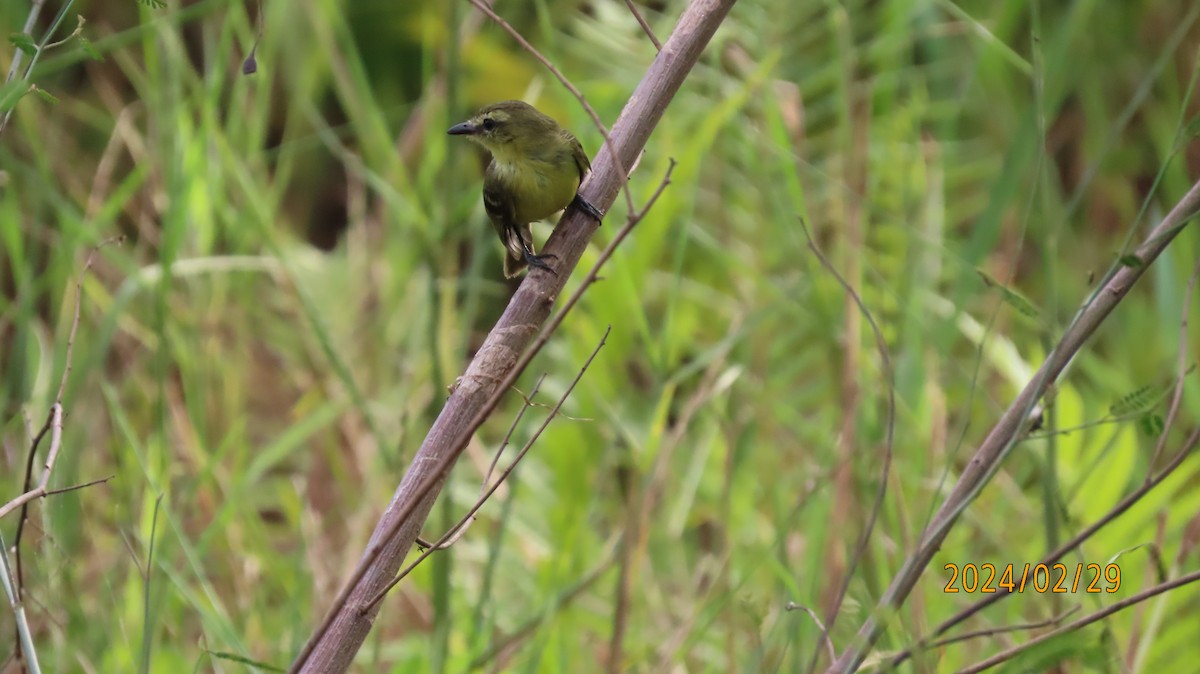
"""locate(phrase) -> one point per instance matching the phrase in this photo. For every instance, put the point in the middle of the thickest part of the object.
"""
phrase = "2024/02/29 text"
(1055, 578)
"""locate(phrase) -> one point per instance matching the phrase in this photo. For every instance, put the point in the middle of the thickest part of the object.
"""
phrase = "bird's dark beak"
(463, 129)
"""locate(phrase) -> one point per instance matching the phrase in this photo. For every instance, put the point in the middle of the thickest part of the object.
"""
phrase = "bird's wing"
(502, 212)
(581, 158)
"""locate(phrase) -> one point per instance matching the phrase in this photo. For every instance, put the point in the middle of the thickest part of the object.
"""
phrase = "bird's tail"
(513, 267)
(515, 247)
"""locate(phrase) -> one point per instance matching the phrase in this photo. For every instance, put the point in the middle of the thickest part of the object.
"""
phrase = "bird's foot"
(539, 261)
(587, 207)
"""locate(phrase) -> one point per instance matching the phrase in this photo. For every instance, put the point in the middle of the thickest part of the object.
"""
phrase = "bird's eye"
(489, 124)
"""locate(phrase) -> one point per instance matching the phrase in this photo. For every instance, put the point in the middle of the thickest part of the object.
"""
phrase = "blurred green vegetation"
(307, 266)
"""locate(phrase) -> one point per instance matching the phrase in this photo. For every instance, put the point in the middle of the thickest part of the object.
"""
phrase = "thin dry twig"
(525, 630)
(528, 403)
(533, 403)
(889, 440)
(460, 529)
(793, 606)
(1102, 421)
(483, 498)
(1003, 630)
(1012, 424)
(1078, 539)
(1181, 370)
(1103, 613)
(53, 426)
(645, 26)
(54, 421)
(77, 487)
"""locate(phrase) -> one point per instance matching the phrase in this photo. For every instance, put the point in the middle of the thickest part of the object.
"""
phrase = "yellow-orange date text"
(1040, 578)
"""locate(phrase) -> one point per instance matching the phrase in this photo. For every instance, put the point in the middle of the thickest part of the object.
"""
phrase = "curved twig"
(454, 531)
(889, 441)
(460, 529)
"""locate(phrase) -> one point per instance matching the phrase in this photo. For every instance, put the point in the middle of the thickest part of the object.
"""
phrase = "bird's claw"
(587, 207)
(539, 261)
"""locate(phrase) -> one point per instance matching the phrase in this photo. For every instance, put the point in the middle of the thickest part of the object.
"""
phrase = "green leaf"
(1139, 400)
(1192, 129)
(11, 93)
(1190, 132)
(152, 4)
(90, 49)
(234, 657)
(1011, 297)
(1131, 260)
(24, 42)
(1145, 398)
(1151, 424)
(44, 95)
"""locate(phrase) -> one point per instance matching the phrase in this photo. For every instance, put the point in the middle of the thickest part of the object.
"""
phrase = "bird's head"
(507, 129)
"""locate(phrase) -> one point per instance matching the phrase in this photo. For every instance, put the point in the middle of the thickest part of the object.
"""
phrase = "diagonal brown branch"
(1148, 593)
(1152, 481)
(1012, 424)
(499, 361)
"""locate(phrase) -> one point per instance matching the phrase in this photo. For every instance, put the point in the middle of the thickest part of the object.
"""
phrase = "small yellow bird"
(535, 170)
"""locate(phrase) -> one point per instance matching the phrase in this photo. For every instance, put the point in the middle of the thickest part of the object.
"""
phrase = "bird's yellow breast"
(540, 186)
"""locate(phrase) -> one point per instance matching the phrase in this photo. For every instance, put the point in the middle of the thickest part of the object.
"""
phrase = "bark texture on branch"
(333, 648)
